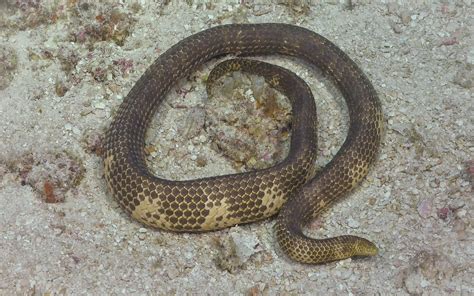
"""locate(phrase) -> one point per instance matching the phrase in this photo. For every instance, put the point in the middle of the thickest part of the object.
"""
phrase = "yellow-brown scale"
(222, 201)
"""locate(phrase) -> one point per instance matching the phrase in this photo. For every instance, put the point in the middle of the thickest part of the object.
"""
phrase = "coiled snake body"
(221, 201)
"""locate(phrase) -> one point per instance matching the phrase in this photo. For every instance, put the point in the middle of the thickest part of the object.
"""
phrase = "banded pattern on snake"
(221, 201)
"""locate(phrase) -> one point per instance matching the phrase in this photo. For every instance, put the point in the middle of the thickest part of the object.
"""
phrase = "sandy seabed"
(66, 66)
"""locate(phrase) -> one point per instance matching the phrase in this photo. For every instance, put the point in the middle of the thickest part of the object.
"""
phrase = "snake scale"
(289, 187)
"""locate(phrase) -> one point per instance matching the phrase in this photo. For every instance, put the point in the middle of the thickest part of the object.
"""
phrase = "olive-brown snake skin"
(222, 201)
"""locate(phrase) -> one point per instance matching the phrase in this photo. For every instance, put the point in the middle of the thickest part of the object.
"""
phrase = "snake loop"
(221, 201)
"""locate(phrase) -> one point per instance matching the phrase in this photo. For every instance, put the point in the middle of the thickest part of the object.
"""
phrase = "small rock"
(353, 223)
(245, 245)
(241, 115)
(445, 213)
(194, 123)
(172, 271)
(99, 105)
(202, 138)
(424, 208)
(465, 77)
(395, 27)
(201, 161)
(460, 228)
(405, 17)
(461, 213)
(254, 291)
(8, 66)
(392, 8)
(50, 174)
(426, 269)
(237, 249)
(76, 130)
(470, 57)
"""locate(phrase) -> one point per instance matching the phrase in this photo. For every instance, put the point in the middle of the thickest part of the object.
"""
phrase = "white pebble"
(76, 130)
(424, 283)
(461, 213)
(99, 105)
(353, 223)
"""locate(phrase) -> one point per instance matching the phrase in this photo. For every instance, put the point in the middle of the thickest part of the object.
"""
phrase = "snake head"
(364, 248)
